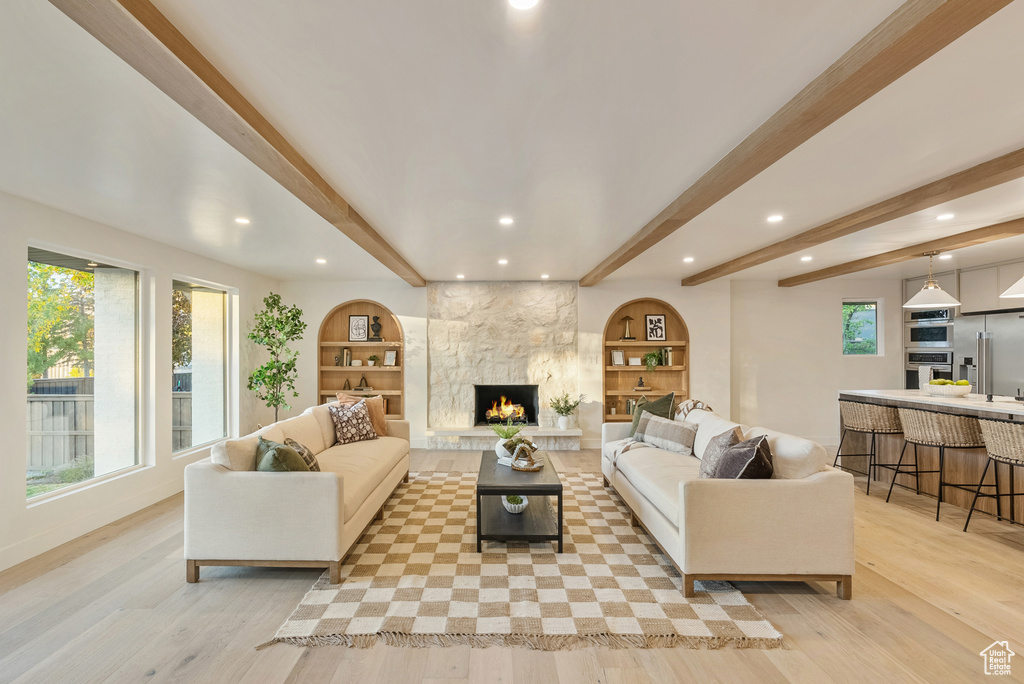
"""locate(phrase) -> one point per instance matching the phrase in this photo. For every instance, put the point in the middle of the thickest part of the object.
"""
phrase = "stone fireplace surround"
(497, 333)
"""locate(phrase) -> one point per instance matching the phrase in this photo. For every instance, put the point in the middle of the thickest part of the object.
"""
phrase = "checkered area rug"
(415, 579)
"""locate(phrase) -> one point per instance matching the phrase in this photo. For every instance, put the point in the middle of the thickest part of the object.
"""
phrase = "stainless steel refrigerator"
(1006, 350)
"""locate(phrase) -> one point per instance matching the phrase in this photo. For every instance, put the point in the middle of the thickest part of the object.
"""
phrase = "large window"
(82, 373)
(198, 329)
(860, 328)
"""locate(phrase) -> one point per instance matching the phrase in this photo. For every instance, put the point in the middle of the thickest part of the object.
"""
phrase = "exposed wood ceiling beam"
(139, 34)
(970, 238)
(981, 177)
(910, 35)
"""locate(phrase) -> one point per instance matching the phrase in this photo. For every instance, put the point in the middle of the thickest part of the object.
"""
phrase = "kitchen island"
(962, 465)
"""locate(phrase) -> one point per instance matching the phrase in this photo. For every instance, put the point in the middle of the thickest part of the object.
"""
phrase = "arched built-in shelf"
(619, 381)
(387, 381)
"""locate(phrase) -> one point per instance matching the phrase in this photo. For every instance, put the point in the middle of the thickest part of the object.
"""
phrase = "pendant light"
(1015, 290)
(931, 295)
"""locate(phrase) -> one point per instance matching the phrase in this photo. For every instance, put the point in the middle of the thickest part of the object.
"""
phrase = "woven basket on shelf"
(861, 417)
(1004, 441)
(941, 429)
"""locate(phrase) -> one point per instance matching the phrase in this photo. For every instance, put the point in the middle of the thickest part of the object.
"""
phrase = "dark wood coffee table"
(538, 522)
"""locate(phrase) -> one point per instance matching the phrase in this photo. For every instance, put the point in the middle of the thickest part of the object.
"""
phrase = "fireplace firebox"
(497, 403)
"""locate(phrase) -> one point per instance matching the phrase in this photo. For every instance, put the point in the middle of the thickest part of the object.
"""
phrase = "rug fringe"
(537, 642)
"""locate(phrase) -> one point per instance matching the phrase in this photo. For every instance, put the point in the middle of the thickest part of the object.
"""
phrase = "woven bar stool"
(1005, 444)
(867, 418)
(942, 430)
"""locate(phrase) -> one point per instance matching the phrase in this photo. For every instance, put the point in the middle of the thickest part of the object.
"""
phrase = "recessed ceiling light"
(92, 264)
(321, 261)
(460, 276)
(806, 258)
(945, 256)
(242, 220)
(545, 276)
(523, 4)
(687, 260)
(945, 217)
(506, 220)
(774, 218)
(502, 261)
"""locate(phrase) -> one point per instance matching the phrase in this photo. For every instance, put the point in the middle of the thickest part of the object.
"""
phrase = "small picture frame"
(358, 328)
(634, 360)
(654, 326)
(390, 357)
(618, 357)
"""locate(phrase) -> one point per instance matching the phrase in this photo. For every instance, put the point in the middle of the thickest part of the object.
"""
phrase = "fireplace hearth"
(498, 403)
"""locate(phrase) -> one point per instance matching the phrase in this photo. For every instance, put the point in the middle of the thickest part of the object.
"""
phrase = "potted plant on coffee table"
(564, 407)
(505, 432)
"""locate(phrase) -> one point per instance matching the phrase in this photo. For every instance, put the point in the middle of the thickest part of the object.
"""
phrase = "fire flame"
(506, 410)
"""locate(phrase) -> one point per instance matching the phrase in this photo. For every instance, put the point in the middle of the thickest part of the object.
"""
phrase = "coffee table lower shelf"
(538, 521)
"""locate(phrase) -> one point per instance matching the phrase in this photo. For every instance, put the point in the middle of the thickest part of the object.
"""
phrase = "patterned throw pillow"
(671, 435)
(352, 423)
(749, 460)
(663, 406)
(716, 448)
(690, 405)
(375, 407)
(305, 453)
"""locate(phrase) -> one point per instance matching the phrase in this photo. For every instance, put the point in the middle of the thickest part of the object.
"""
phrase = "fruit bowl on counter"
(947, 390)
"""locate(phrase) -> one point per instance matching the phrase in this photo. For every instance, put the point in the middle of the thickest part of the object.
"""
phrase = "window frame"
(879, 303)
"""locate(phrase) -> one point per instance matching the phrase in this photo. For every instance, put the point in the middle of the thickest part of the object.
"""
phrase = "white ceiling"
(582, 119)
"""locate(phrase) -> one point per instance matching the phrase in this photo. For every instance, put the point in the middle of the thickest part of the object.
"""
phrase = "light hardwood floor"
(114, 606)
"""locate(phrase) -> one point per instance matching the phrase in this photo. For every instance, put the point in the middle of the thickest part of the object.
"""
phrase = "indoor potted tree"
(564, 407)
(274, 328)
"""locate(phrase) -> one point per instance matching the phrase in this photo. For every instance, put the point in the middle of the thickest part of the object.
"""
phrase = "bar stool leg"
(942, 472)
(999, 500)
(899, 464)
(917, 472)
(1013, 494)
(977, 492)
(839, 451)
(871, 463)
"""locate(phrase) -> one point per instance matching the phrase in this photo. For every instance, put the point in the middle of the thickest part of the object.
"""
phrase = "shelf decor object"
(352, 319)
(672, 375)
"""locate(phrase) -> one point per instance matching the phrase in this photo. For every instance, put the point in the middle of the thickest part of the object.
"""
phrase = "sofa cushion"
(303, 429)
(663, 407)
(663, 433)
(656, 473)
(305, 452)
(748, 460)
(352, 423)
(236, 454)
(363, 465)
(324, 420)
(709, 425)
(274, 457)
(794, 458)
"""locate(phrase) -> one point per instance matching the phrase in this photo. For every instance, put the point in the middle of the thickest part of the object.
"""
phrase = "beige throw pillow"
(671, 435)
(375, 406)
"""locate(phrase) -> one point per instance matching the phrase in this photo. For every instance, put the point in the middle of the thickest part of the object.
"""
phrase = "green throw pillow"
(663, 408)
(274, 457)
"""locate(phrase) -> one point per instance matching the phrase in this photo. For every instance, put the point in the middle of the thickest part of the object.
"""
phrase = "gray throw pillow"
(749, 460)
(718, 445)
(305, 453)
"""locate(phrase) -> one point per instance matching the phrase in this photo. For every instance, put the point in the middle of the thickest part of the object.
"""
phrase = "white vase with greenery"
(565, 407)
(505, 432)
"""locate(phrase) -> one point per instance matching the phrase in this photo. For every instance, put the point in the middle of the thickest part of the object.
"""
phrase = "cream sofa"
(236, 515)
(796, 526)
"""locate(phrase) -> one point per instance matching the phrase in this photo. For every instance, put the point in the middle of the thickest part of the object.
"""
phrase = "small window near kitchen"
(860, 328)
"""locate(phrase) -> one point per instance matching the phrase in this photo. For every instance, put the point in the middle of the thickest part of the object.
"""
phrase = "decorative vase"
(563, 422)
(370, 363)
(501, 451)
(514, 508)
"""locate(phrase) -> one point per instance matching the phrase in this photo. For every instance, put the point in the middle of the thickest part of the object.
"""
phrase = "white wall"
(787, 359)
(409, 304)
(29, 528)
(705, 310)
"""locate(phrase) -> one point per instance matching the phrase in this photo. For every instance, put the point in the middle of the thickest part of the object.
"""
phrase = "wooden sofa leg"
(606, 482)
(633, 520)
(688, 586)
(844, 587)
(191, 571)
(380, 514)
(335, 568)
(406, 476)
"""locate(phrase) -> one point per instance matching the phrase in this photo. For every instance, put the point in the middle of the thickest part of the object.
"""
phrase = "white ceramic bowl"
(514, 508)
(947, 390)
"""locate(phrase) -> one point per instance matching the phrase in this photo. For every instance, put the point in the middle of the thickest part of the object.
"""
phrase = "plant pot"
(501, 451)
(564, 422)
(514, 508)
(370, 363)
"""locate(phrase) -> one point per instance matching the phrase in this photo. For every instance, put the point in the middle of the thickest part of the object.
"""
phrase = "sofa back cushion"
(236, 454)
(709, 425)
(304, 429)
(794, 458)
(322, 414)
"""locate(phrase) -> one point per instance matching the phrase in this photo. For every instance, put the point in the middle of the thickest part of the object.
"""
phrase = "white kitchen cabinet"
(979, 290)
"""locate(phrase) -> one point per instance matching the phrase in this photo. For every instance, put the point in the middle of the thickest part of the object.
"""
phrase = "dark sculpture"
(375, 327)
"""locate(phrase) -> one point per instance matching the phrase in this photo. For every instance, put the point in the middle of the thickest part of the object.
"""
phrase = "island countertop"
(1004, 408)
